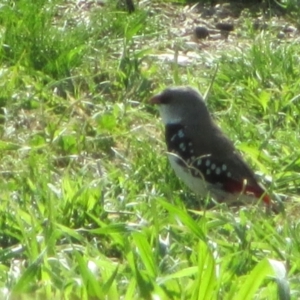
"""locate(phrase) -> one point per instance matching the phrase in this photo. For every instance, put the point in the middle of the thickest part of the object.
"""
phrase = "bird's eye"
(165, 99)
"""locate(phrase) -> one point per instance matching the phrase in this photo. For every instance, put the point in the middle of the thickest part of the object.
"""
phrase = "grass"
(90, 208)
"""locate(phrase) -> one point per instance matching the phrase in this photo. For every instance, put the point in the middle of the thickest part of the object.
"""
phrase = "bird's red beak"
(155, 99)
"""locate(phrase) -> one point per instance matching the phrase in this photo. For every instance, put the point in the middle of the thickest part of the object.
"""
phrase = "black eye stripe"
(165, 99)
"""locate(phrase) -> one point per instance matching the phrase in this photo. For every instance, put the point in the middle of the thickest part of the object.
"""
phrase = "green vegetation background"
(89, 207)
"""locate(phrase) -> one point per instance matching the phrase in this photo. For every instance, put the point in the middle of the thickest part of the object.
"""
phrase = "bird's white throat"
(168, 116)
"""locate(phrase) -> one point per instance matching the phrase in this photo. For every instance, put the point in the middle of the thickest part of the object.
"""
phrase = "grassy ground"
(89, 207)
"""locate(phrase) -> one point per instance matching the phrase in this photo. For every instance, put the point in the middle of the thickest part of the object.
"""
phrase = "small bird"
(200, 154)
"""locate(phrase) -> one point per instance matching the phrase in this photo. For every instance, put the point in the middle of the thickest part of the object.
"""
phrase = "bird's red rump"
(234, 186)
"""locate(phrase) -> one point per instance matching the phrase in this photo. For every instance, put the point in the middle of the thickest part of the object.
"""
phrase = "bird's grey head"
(180, 104)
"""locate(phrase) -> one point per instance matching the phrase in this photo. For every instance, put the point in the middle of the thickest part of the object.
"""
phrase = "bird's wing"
(217, 163)
(242, 178)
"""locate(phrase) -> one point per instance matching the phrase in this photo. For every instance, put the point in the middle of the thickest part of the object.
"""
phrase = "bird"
(202, 156)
